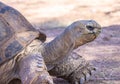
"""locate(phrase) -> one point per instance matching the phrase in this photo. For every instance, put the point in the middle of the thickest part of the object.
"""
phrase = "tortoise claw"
(82, 80)
(83, 75)
(87, 77)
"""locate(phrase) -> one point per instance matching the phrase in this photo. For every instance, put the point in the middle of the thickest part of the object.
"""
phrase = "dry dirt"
(53, 16)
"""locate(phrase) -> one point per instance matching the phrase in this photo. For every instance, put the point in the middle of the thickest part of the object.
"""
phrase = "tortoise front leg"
(33, 70)
(73, 68)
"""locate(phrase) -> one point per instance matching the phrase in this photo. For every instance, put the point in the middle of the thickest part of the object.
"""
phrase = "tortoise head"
(84, 31)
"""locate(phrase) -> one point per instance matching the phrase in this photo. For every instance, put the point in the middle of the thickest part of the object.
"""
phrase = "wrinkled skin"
(29, 67)
(60, 59)
(74, 36)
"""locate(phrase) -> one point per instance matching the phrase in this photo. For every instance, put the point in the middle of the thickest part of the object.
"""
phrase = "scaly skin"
(32, 66)
(73, 68)
(58, 51)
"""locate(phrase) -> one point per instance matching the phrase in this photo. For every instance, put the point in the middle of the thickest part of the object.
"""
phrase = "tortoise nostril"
(90, 28)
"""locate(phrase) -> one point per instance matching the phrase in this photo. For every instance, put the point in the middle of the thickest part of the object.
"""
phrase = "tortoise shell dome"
(15, 33)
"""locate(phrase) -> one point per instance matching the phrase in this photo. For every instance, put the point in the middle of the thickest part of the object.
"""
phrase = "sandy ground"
(53, 16)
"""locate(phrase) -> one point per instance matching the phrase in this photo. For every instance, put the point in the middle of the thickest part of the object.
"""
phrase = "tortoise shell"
(15, 33)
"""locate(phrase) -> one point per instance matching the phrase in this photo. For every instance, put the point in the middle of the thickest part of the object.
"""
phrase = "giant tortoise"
(26, 58)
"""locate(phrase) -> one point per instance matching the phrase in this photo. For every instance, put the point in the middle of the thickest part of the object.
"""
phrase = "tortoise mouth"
(92, 34)
(95, 33)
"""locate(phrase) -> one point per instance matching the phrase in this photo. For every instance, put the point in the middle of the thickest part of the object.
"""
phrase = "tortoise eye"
(90, 28)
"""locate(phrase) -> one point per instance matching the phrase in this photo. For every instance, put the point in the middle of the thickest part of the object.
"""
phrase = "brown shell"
(15, 32)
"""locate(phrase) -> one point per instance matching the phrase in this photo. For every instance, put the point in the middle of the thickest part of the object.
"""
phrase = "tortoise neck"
(58, 48)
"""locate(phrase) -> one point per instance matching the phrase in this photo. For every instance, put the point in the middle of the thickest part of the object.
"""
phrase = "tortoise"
(26, 58)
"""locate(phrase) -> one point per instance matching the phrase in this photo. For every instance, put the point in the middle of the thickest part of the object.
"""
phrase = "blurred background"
(52, 16)
(66, 11)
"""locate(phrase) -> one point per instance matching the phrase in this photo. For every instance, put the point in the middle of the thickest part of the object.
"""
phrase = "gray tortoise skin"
(26, 58)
